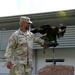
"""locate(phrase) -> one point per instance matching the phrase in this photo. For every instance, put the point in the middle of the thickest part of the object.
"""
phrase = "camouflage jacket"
(19, 48)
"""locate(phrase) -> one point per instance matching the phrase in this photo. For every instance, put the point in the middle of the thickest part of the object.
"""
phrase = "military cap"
(25, 18)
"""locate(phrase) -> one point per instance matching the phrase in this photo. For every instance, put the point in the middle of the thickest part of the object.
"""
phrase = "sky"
(23, 7)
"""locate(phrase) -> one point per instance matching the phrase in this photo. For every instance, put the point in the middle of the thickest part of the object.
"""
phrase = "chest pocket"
(30, 41)
(22, 39)
(21, 47)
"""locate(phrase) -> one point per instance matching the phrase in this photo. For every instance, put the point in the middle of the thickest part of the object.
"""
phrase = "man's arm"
(9, 51)
(41, 42)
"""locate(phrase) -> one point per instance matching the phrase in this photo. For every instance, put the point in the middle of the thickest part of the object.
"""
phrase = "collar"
(24, 33)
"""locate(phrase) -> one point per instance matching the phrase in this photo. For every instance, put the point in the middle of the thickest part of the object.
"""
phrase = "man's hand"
(9, 64)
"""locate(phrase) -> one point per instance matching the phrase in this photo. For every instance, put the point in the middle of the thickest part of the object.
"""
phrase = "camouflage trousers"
(21, 69)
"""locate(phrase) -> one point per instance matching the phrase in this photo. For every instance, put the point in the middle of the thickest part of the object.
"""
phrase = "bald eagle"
(50, 34)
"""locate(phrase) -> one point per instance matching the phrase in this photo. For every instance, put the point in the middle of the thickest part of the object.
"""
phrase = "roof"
(52, 18)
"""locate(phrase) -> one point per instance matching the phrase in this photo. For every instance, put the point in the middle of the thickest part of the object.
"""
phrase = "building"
(66, 48)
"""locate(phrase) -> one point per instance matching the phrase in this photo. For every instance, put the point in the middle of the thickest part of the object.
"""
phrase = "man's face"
(25, 25)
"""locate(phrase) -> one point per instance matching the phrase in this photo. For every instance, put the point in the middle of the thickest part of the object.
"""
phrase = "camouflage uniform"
(19, 51)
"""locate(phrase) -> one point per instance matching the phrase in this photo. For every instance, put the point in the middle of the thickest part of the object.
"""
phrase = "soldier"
(19, 49)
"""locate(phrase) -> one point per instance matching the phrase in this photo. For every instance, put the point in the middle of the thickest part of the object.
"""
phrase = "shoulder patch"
(11, 37)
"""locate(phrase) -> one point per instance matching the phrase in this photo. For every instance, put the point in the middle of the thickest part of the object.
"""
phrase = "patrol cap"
(26, 19)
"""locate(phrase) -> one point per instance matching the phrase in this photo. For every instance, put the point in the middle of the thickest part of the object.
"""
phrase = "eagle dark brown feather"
(50, 33)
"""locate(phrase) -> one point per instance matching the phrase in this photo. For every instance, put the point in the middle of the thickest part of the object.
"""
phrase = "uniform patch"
(11, 37)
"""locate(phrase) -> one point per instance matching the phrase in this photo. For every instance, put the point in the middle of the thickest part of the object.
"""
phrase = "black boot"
(51, 44)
